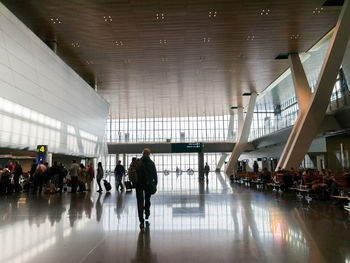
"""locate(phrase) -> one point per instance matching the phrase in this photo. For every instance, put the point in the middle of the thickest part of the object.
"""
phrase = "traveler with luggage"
(99, 176)
(73, 171)
(82, 178)
(146, 185)
(119, 172)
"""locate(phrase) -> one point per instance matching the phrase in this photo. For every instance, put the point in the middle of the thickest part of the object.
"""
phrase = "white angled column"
(308, 124)
(229, 137)
(243, 134)
(303, 92)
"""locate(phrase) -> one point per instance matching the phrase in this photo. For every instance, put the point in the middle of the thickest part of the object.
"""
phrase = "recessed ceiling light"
(265, 12)
(89, 62)
(119, 43)
(206, 39)
(212, 14)
(75, 44)
(160, 16)
(55, 20)
(164, 59)
(162, 41)
(295, 37)
(108, 18)
(317, 10)
(251, 37)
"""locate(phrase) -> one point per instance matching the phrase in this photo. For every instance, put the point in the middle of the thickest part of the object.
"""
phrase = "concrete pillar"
(221, 162)
(229, 137)
(303, 92)
(240, 119)
(307, 125)
(201, 164)
(124, 160)
(243, 134)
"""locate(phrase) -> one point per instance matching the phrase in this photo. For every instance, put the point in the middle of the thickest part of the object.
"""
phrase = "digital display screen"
(186, 147)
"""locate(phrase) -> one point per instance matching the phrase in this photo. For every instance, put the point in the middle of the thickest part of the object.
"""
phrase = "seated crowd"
(324, 183)
(42, 177)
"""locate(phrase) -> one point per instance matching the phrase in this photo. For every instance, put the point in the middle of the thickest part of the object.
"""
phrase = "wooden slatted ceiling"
(188, 75)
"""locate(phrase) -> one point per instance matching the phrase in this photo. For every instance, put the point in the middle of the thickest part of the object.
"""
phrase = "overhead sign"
(41, 149)
(186, 147)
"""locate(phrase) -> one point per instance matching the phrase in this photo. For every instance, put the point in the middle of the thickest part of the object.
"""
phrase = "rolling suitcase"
(128, 185)
(107, 185)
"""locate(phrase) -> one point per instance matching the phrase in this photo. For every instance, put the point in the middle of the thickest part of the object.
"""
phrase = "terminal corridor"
(213, 222)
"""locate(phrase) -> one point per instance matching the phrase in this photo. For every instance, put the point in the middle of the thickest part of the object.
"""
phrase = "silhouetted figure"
(119, 172)
(99, 176)
(146, 181)
(16, 176)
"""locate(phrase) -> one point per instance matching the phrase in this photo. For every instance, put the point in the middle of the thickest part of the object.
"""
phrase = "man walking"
(119, 172)
(206, 171)
(146, 185)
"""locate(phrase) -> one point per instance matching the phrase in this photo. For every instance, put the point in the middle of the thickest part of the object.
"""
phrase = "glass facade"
(265, 122)
(175, 129)
(169, 162)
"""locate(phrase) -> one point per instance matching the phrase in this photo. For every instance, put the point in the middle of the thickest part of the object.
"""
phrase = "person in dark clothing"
(16, 175)
(53, 175)
(39, 176)
(288, 181)
(119, 172)
(61, 175)
(256, 167)
(146, 180)
(32, 170)
(5, 180)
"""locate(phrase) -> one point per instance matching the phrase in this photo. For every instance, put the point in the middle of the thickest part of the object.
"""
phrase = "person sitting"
(297, 178)
(265, 176)
(288, 181)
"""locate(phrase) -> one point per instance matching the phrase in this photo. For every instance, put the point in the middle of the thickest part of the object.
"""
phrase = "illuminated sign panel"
(186, 147)
(41, 149)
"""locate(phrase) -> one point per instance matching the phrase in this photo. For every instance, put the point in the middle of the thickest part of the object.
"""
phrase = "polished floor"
(190, 222)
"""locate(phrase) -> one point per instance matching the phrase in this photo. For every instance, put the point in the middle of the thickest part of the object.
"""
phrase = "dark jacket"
(18, 170)
(119, 170)
(33, 169)
(146, 172)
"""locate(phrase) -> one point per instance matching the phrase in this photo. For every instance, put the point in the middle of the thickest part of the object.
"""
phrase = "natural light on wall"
(44, 101)
(22, 127)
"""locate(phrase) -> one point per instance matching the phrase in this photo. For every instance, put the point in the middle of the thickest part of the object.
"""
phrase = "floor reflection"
(143, 250)
(208, 222)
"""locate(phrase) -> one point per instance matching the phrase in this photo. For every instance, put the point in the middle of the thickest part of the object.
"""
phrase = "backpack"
(132, 170)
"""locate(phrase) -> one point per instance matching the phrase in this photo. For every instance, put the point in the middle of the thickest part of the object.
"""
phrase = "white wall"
(42, 100)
